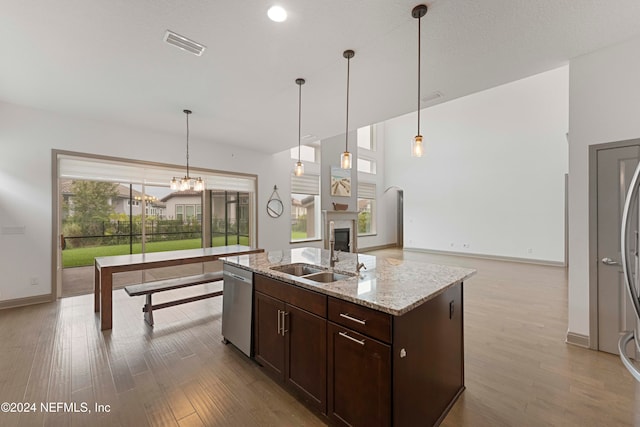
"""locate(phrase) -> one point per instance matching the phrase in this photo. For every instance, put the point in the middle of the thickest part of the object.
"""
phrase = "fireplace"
(345, 230)
(342, 240)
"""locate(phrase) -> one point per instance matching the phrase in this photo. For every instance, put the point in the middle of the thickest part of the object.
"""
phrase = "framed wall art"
(340, 182)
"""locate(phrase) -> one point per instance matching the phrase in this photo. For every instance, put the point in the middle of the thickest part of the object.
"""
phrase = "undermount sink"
(311, 272)
(298, 269)
(326, 276)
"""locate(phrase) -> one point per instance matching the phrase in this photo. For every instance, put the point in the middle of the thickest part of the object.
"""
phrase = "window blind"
(81, 168)
(305, 184)
(366, 190)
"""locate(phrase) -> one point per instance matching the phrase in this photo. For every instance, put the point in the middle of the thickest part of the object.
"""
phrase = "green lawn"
(298, 235)
(79, 257)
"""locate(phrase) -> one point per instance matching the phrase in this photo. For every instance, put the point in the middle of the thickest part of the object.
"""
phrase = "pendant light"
(345, 158)
(187, 183)
(417, 149)
(298, 170)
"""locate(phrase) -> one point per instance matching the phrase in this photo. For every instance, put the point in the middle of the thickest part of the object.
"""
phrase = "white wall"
(492, 179)
(27, 137)
(604, 101)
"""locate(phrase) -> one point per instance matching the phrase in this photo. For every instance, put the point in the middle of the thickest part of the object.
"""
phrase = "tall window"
(365, 138)
(305, 207)
(366, 208)
(366, 165)
(307, 153)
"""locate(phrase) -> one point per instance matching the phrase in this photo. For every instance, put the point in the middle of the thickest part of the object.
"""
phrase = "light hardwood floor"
(518, 370)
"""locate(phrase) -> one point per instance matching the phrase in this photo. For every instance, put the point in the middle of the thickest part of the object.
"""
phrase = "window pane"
(364, 138)
(230, 223)
(307, 154)
(366, 216)
(368, 166)
(305, 216)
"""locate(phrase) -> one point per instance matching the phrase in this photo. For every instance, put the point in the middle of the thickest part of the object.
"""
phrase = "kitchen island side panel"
(428, 360)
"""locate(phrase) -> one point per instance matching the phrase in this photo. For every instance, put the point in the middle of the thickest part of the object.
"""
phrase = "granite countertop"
(389, 285)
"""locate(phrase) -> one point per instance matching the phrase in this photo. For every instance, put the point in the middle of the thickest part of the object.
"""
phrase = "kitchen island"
(380, 347)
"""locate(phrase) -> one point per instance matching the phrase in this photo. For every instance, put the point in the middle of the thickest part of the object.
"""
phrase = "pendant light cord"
(346, 139)
(187, 114)
(299, 116)
(419, 38)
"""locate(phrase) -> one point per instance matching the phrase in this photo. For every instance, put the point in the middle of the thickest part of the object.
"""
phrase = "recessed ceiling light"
(277, 14)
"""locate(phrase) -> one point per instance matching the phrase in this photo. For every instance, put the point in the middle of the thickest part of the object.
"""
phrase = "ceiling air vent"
(184, 43)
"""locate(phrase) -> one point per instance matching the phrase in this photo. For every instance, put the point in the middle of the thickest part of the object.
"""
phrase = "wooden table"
(106, 266)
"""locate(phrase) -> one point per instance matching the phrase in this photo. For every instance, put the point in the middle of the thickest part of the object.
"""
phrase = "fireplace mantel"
(342, 219)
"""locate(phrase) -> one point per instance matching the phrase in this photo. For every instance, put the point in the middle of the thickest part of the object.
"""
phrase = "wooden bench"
(150, 288)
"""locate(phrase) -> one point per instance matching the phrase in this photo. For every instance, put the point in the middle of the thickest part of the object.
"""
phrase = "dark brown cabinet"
(359, 386)
(291, 339)
(357, 365)
(268, 338)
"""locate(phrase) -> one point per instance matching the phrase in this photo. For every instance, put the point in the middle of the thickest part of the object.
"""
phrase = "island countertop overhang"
(390, 285)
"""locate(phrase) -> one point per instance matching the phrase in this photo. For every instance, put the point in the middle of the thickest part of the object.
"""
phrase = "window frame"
(368, 188)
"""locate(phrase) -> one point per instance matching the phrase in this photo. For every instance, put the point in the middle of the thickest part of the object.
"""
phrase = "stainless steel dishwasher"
(237, 307)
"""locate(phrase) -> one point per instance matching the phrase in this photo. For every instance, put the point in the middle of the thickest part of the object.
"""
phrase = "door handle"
(609, 261)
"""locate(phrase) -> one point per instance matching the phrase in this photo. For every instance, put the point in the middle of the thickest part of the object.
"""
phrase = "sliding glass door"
(101, 214)
(231, 217)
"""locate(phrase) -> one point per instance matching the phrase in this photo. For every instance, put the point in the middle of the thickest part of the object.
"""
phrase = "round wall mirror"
(274, 205)
(275, 208)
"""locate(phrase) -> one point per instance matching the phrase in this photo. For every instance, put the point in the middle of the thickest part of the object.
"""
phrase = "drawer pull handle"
(353, 319)
(279, 322)
(284, 322)
(344, 334)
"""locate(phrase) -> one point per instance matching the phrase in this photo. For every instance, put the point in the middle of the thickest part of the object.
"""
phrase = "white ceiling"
(106, 59)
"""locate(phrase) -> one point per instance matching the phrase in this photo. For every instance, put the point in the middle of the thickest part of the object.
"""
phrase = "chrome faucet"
(359, 265)
(334, 255)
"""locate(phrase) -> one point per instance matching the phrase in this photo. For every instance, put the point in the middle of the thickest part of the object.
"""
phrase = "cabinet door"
(306, 352)
(268, 341)
(359, 378)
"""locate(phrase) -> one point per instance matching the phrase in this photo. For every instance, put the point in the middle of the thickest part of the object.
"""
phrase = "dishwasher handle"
(237, 277)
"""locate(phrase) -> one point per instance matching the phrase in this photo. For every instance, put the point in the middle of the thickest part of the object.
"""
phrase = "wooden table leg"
(105, 298)
(96, 289)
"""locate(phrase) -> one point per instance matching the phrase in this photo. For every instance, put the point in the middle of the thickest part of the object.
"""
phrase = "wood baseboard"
(493, 257)
(377, 248)
(21, 302)
(577, 339)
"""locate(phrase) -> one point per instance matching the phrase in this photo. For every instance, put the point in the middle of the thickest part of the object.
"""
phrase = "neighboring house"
(183, 205)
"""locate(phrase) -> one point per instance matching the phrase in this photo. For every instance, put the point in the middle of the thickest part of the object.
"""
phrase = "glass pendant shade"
(417, 149)
(174, 184)
(298, 169)
(184, 184)
(198, 185)
(345, 160)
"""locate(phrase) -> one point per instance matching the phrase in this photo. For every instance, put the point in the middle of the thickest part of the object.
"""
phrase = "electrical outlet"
(530, 250)
(34, 281)
(466, 245)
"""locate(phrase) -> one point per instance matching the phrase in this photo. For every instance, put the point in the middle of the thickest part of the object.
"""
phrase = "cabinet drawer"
(365, 320)
(310, 301)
